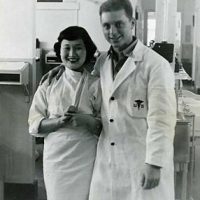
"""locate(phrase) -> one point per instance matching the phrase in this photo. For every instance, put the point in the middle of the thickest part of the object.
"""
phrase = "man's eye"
(66, 48)
(118, 25)
(106, 26)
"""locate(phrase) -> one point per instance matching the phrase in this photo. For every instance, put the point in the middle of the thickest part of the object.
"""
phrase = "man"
(134, 158)
(135, 151)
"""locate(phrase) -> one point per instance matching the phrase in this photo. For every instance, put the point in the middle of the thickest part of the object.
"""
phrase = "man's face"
(117, 28)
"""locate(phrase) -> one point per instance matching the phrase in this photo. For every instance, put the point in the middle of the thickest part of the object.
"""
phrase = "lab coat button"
(112, 98)
(111, 120)
(112, 143)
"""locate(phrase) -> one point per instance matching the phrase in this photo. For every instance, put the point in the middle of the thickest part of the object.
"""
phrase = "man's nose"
(113, 30)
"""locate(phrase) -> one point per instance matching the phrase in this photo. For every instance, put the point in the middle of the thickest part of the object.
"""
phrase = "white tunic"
(139, 116)
(69, 152)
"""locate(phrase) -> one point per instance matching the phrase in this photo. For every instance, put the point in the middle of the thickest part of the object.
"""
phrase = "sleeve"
(96, 97)
(98, 64)
(96, 100)
(38, 111)
(161, 117)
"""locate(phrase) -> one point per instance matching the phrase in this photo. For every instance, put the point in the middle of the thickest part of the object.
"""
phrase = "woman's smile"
(73, 53)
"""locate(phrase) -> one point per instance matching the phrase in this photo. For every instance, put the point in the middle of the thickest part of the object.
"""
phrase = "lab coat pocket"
(137, 102)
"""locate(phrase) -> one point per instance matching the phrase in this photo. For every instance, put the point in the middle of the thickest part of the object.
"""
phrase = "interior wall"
(196, 48)
(89, 18)
(17, 29)
(186, 7)
(17, 38)
(50, 20)
(148, 5)
(145, 8)
(139, 26)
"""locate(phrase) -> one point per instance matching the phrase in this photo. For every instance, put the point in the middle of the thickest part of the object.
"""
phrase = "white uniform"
(69, 153)
(139, 116)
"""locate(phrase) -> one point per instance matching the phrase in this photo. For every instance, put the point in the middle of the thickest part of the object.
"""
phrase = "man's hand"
(150, 176)
(57, 71)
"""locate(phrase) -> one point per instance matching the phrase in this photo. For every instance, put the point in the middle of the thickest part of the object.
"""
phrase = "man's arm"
(57, 71)
(161, 121)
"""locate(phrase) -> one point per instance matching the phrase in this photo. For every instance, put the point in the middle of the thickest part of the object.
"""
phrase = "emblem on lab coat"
(139, 104)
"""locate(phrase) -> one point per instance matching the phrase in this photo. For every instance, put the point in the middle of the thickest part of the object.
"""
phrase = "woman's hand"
(57, 71)
(86, 120)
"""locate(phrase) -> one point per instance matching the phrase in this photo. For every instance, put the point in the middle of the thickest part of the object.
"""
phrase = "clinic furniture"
(17, 144)
(186, 114)
(190, 108)
(182, 154)
(1, 174)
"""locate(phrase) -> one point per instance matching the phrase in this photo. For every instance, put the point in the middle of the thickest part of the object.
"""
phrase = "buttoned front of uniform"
(144, 114)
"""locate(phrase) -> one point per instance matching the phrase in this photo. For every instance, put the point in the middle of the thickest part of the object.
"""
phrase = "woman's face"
(73, 54)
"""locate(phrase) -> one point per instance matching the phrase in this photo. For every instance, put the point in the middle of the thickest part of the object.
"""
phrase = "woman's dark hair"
(74, 33)
(115, 5)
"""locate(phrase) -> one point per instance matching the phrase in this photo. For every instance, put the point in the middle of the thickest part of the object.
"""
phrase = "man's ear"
(133, 21)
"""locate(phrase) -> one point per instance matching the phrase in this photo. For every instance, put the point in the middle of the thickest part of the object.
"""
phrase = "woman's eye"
(78, 48)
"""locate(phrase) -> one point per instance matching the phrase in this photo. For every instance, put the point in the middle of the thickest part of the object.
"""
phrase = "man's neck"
(118, 51)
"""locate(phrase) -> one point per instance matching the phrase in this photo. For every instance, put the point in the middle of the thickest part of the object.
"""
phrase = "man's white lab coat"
(139, 116)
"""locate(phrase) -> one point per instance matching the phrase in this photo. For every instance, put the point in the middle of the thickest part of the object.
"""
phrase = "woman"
(65, 113)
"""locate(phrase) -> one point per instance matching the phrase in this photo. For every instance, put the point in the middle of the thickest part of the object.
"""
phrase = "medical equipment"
(165, 49)
(14, 73)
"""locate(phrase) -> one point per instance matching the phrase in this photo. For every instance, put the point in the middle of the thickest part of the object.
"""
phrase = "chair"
(182, 153)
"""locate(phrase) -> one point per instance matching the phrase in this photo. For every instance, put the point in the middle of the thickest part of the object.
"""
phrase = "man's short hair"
(115, 5)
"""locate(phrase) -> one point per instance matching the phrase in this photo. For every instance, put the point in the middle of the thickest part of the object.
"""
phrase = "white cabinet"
(17, 146)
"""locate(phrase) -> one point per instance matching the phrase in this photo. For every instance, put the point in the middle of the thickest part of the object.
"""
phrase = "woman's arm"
(50, 125)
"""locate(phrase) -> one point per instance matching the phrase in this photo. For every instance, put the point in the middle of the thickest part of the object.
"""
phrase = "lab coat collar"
(138, 52)
(107, 77)
(126, 52)
(129, 66)
(134, 50)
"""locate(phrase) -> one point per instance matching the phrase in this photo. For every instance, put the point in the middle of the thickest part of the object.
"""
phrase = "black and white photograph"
(99, 100)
